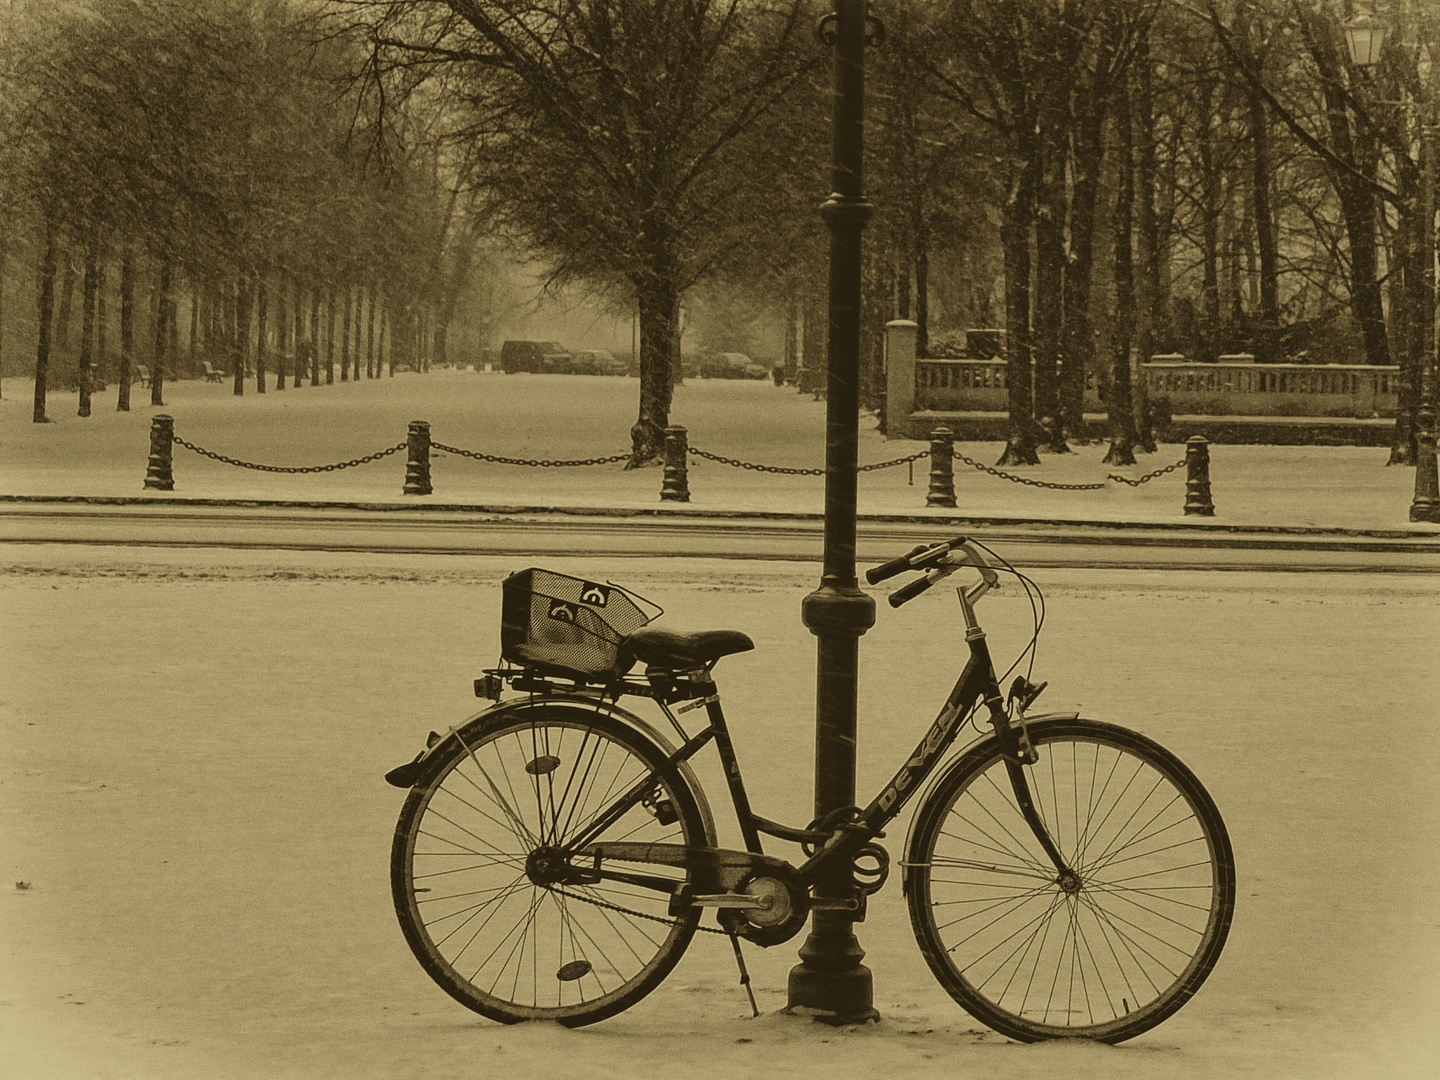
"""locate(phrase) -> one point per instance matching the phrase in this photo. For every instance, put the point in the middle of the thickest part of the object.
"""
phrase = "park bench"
(211, 375)
(142, 374)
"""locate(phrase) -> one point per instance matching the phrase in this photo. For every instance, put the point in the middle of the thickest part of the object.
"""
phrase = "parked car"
(548, 357)
(731, 365)
(596, 362)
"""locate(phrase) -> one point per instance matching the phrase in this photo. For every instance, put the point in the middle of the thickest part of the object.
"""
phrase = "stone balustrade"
(1236, 386)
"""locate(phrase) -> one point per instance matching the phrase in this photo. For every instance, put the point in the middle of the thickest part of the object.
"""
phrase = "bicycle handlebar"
(938, 561)
(910, 591)
(920, 557)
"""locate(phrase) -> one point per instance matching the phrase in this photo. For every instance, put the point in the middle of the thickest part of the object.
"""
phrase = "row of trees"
(161, 155)
(1105, 179)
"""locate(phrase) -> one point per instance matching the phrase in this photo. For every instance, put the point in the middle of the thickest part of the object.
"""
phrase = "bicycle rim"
(1104, 954)
(480, 878)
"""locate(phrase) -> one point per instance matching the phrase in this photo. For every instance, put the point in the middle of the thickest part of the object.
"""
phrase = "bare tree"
(611, 130)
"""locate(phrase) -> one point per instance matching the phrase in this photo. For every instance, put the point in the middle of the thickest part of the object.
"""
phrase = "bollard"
(158, 474)
(417, 464)
(1197, 477)
(1426, 506)
(942, 468)
(675, 487)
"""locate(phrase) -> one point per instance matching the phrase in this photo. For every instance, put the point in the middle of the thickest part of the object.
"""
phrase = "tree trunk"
(4, 259)
(298, 338)
(1018, 213)
(85, 367)
(1147, 286)
(164, 304)
(345, 336)
(1088, 157)
(791, 361)
(232, 337)
(370, 369)
(262, 305)
(1211, 208)
(380, 339)
(45, 305)
(1119, 402)
(1048, 315)
(67, 299)
(329, 335)
(1265, 234)
(811, 377)
(659, 359)
(127, 323)
(282, 331)
(195, 302)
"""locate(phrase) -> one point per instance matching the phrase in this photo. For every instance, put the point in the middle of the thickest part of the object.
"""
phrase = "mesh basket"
(568, 625)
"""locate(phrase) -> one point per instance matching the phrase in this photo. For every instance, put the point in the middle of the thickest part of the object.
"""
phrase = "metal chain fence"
(941, 451)
(800, 472)
(536, 462)
(1031, 482)
(291, 468)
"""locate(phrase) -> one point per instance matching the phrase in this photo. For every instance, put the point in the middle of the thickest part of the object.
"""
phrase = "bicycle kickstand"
(744, 974)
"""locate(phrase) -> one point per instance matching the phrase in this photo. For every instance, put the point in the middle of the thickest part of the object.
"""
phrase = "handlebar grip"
(877, 574)
(910, 591)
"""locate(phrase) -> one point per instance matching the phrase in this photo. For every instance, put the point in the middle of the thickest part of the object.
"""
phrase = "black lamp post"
(830, 978)
(1364, 39)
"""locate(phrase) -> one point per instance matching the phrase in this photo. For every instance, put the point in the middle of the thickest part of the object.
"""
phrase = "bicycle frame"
(835, 845)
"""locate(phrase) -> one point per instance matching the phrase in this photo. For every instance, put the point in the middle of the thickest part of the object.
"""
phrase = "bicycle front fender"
(421, 770)
(985, 744)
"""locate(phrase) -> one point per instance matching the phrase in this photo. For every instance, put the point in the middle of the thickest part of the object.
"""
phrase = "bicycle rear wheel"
(1104, 953)
(484, 887)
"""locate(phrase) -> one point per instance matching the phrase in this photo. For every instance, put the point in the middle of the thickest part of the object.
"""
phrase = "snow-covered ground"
(191, 795)
(192, 814)
(575, 417)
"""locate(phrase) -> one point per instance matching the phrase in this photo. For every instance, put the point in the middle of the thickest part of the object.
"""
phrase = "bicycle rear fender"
(421, 769)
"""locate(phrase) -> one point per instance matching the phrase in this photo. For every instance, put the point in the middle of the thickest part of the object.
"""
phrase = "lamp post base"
(830, 983)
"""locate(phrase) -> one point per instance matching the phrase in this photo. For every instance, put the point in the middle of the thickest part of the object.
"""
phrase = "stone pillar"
(942, 468)
(158, 473)
(675, 487)
(899, 375)
(417, 464)
(1426, 506)
(1197, 477)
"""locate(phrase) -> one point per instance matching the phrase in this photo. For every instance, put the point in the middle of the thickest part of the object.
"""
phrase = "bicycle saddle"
(680, 649)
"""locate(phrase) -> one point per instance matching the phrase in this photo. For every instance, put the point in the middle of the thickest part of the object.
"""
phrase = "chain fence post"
(1426, 505)
(942, 468)
(417, 464)
(675, 487)
(1197, 477)
(159, 474)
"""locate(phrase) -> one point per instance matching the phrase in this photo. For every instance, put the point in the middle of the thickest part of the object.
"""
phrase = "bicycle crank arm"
(733, 900)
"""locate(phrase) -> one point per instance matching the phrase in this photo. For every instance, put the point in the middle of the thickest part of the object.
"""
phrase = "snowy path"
(191, 792)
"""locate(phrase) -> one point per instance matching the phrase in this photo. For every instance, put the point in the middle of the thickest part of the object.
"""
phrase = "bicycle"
(1064, 877)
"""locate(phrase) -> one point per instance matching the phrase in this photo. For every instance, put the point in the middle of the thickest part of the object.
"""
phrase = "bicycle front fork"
(1017, 750)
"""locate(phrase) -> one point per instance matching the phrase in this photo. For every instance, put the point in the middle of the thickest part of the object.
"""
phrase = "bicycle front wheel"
(484, 886)
(1110, 946)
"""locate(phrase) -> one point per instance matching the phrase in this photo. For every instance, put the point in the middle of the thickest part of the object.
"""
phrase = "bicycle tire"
(492, 930)
(1105, 955)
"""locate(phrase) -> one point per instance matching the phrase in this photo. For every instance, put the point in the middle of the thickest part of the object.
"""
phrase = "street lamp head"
(1364, 37)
